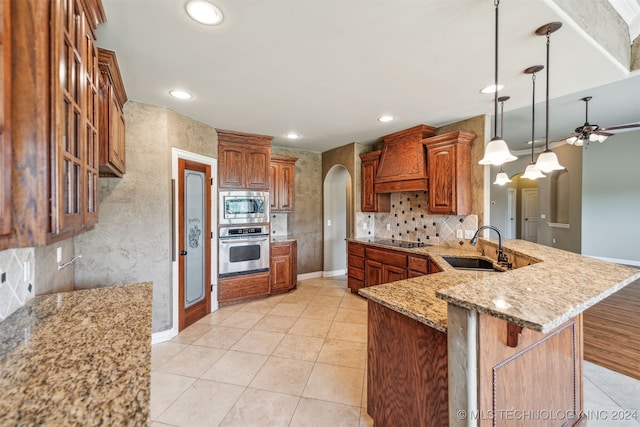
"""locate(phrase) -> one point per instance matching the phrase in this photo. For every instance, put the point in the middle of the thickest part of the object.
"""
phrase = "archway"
(336, 207)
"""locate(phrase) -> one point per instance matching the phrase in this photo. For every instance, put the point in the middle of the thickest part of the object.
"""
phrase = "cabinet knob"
(183, 253)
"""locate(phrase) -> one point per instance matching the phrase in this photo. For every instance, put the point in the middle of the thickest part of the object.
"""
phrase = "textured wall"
(346, 157)
(305, 223)
(132, 241)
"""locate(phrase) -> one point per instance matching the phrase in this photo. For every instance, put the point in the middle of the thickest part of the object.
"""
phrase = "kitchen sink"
(471, 264)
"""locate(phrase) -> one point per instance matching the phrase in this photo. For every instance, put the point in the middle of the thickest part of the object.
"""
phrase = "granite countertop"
(556, 286)
(78, 358)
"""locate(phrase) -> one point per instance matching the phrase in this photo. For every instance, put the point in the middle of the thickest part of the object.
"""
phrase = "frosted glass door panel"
(194, 234)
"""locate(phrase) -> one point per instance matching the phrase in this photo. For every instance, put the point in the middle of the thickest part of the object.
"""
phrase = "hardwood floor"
(611, 335)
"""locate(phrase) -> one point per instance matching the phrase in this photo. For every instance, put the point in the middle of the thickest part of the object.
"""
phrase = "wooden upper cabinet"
(244, 160)
(449, 165)
(282, 184)
(75, 114)
(5, 118)
(112, 127)
(371, 201)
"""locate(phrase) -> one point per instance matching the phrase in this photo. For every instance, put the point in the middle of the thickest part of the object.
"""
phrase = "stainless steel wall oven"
(243, 250)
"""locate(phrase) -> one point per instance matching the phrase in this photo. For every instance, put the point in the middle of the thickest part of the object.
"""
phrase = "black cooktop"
(398, 243)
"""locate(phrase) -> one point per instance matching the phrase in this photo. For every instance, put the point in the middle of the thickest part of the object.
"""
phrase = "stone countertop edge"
(558, 286)
(78, 358)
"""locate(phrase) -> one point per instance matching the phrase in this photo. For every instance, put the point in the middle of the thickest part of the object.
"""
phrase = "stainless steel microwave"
(244, 207)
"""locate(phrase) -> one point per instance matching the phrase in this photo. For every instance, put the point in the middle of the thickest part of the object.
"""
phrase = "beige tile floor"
(299, 360)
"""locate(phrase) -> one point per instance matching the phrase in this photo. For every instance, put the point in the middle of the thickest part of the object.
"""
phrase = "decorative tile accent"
(409, 219)
(15, 291)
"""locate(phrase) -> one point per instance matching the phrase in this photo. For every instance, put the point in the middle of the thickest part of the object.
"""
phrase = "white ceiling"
(328, 68)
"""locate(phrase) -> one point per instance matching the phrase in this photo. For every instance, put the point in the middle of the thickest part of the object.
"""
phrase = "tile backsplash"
(15, 291)
(409, 219)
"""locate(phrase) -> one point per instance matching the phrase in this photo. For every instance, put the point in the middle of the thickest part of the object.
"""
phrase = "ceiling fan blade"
(621, 128)
(604, 133)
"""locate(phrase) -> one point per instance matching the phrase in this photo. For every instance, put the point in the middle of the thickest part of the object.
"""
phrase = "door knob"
(183, 253)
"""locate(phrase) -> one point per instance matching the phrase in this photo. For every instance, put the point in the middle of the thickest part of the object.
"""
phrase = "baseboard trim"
(334, 273)
(312, 275)
(162, 336)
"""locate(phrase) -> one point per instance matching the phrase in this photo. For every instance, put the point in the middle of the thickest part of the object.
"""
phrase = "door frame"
(512, 209)
(525, 219)
(177, 153)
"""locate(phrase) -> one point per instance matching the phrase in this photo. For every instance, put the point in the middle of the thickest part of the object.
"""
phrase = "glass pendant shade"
(602, 138)
(496, 153)
(502, 178)
(548, 161)
(532, 173)
(572, 140)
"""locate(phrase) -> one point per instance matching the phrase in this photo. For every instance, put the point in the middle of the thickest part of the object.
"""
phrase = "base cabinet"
(284, 270)
(371, 266)
(232, 289)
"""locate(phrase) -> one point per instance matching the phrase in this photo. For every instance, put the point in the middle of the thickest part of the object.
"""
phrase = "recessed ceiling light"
(292, 135)
(180, 94)
(385, 118)
(491, 88)
(204, 12)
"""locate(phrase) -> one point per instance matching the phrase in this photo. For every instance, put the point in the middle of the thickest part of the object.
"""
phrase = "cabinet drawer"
(242, 287)
(387, 257)
(280, 249)
(357, 273)
(356, 249)
(356, 261)
(418, 264)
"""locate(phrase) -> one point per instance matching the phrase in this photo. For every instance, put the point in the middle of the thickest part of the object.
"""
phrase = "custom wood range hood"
(403, 162)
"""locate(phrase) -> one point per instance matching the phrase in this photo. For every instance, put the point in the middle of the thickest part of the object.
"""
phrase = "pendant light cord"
(533, 114)
(546, 133)
(496, 3)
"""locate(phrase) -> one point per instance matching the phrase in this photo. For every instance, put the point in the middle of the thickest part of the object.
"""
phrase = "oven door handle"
(229, 241)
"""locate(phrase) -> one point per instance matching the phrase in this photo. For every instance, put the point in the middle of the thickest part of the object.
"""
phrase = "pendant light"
(531, 172)
(502, 178)
(547, 160)
(496, 152)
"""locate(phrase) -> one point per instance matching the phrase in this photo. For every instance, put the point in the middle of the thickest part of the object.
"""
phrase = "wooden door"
(274, 190)
(372, 273)
(530, 214)
(231, 166)
(442, 189)
(286, 187)
(391, 273)
(257, 164)
(5, 119)
(194, 240)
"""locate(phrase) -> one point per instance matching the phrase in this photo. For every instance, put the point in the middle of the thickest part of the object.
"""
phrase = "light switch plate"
(458, 234)
(59, 254)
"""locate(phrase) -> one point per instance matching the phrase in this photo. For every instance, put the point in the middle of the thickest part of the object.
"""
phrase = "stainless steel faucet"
(502, 257)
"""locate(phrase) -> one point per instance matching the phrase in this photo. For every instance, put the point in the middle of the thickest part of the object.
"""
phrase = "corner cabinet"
(244, 160)
(5, 117)
(282, 183)
(449, 171)
(112, 128)
(371, 201)
(284, 266)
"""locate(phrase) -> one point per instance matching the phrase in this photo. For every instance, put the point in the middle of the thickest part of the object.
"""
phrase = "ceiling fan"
(591, 132)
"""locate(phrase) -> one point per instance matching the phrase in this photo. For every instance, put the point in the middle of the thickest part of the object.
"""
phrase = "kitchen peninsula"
(483, 347)
(78, 358)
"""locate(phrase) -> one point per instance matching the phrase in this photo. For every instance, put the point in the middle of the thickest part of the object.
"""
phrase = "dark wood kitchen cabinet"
(5, 117)
(284, 266)
(244, 160)
(54, 119)
(247, 286)
(371, 201)
(449, 170)
(282, 183)
(372, 265)
(112, 126)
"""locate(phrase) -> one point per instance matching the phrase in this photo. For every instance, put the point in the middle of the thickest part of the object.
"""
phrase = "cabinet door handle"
(183, 253)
